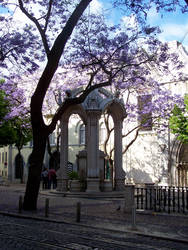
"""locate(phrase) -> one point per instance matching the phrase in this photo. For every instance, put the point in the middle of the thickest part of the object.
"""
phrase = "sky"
(174, 26)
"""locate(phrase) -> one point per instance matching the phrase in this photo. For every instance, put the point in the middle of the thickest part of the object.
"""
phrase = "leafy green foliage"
(73, 175)
(7, 134)
(179, 122)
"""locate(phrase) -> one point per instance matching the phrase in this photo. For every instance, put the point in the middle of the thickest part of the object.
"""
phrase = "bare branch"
(132, 141)
(109, 131)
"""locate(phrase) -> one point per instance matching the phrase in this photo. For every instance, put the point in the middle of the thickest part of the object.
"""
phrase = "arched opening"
(182, 168)
(19, 166)
(106, 144)
(76, 139)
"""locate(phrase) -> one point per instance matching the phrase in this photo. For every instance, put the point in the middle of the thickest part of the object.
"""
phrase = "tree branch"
(35, 21)
(133, 140)
(53, 61)
(48, 15)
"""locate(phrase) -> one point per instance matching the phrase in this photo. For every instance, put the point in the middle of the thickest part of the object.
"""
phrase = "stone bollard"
(78, 211)
(46, 207)
(20, 204)
(133, 218)
(129, 198)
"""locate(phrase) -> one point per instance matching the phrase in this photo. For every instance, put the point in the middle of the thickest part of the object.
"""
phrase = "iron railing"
(162, 199)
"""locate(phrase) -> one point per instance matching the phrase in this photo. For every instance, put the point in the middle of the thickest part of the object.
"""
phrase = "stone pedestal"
(107, 185)
(75, 186)
(120, 184)
(129, 198)
(93, 185)
(82, 161)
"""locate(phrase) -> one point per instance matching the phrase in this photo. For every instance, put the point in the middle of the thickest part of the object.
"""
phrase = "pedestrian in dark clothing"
(45, 178)
(52, 180)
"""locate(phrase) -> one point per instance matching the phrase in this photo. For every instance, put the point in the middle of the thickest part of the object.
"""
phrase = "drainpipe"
(169, 159)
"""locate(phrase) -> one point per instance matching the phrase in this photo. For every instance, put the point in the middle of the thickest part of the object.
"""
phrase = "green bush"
(73, 175)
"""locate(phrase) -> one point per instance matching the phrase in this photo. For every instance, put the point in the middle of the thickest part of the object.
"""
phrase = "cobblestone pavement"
(22, 234)
(102, 226)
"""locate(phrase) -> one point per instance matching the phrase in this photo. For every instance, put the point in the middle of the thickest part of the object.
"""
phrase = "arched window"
(183, 166)
(19, 164)
(82, 134)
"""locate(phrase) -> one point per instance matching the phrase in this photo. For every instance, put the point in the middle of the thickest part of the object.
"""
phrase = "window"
(144, 112)
(82, 134)
(3, 157)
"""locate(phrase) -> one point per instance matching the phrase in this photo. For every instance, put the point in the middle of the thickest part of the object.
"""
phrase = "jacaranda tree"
(51, 24)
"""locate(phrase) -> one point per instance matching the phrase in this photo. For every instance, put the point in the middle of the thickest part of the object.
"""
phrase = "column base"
(62, 185)
(107, 186)
(92, 185)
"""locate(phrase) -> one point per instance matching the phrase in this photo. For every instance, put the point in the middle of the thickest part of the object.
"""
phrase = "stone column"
(119, 172)
(62, 180)
(92, 135)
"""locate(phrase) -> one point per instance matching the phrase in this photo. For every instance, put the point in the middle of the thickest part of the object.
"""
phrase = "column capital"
(96, 112)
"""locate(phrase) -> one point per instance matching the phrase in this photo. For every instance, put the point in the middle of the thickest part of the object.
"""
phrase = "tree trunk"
(35, 169)
(40, 130)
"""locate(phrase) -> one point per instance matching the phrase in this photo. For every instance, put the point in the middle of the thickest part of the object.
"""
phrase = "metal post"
(178, 199)
(137, 198)
(155, 199)
(164, 198)
(46, 207)
(174, 199)
(78, 209)
(142, 198)
(159, 199)
(146, 198)
(20, 205)
(169, 199)
(151, 198)
(183, 200)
